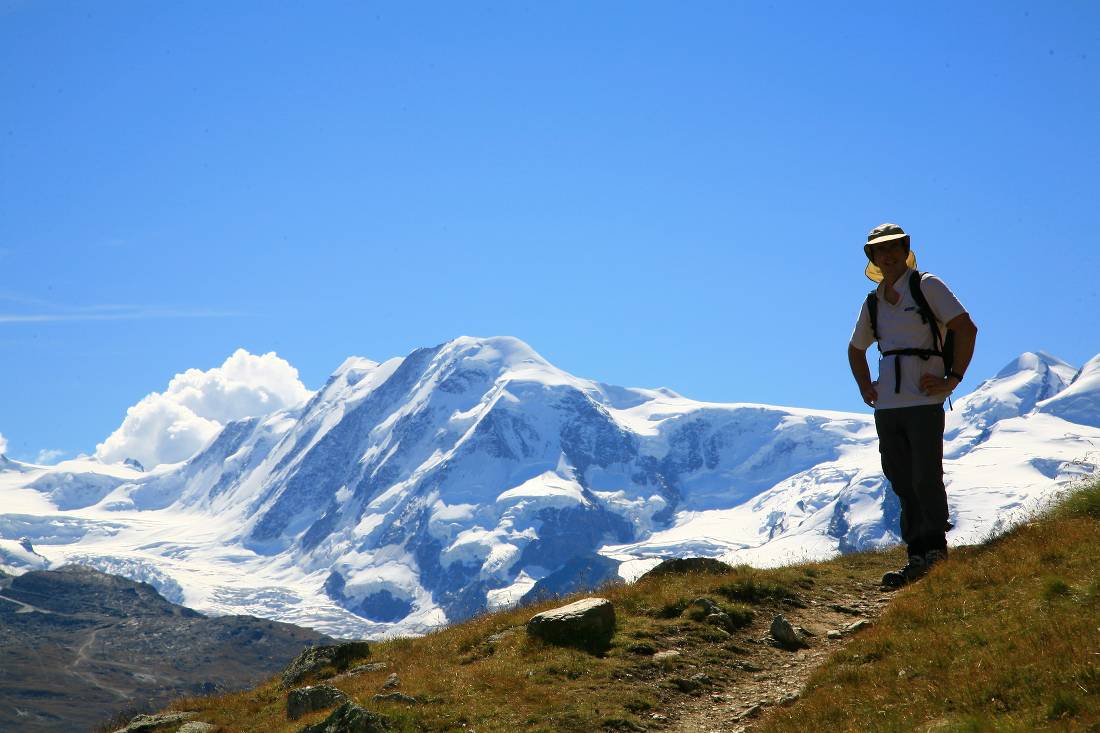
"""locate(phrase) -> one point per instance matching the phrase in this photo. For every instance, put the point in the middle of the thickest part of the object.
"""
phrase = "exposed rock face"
(119, 638)
(149, 723)
(587, 622)
(350, 718)
(197, 726)
(308, 699)
(310, 661)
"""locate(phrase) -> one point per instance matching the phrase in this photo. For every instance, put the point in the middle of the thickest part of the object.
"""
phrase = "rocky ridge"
(77, 646)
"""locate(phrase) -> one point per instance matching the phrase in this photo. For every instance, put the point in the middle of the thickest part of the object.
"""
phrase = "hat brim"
(875, 275)
(885, 238)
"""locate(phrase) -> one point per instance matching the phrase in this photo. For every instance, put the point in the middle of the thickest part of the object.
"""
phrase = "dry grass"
(1003, 637)
(466, 676)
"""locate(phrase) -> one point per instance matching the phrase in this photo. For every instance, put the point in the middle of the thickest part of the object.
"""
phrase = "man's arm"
(857, 359)
(966, 335)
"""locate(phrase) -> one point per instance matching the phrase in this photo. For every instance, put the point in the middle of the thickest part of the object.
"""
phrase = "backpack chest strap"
(924, 354)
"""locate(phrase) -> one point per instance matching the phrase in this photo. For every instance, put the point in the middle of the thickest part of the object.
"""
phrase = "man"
(912, 386)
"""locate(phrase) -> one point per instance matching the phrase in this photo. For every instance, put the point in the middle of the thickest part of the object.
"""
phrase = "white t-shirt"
(900, 327)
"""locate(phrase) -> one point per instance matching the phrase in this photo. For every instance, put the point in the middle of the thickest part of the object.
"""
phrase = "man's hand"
(870, 394)
(934, 386)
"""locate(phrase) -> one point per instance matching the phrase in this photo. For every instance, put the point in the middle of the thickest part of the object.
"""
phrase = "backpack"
(944, 348)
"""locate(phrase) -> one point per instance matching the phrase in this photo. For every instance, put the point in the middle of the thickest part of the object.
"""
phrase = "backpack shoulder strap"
(926, 313)
(872, 311)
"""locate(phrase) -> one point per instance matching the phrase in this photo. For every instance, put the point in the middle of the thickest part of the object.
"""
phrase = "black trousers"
(910, 441)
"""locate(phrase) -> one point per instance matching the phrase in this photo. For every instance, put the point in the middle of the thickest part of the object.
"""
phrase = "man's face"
(890, 257)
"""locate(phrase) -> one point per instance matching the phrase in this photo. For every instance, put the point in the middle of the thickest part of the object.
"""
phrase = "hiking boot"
(913, 570)
(934, 556)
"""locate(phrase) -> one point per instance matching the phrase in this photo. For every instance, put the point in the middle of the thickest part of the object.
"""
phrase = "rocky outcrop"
(683, 565)
(306, 700)
(151, 723)
(97, 625)
(197, 726)
(350, 718)
(587, 623)
(314, 659)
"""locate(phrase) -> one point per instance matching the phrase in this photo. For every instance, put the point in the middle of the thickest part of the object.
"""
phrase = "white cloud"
(47, 456)
(3, 444)
(170, 426)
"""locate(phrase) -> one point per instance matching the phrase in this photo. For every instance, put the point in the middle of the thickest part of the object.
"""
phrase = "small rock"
(196, 726)
(500, 636)
(857, 625)
(784, 634)
(396, 697)
(804, 631)
(708, 605)
(702, 678)
(747, 667)
(306, 700)
(642, 648)
(658, 717)
(361, 669)
(722, 620)
(845, 609)
(685, 685)
(392, 682)
(751, 712)
(833, 634)
(789, 699)
(588, 622)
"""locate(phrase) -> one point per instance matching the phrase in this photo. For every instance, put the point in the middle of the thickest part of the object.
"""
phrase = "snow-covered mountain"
(474, 474)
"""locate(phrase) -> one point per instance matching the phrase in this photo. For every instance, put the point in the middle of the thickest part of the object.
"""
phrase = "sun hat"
(879, 235)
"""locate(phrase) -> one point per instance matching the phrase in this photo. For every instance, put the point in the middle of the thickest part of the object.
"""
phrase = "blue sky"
(649, 194)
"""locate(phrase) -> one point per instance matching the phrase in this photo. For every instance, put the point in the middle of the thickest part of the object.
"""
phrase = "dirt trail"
(773, 676)
(84, 659)
(24, 607)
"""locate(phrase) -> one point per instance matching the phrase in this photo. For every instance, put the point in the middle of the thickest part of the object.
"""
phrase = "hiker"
(926, 339)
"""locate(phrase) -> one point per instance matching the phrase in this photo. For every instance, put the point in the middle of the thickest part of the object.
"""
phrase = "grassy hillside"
(1003, 636)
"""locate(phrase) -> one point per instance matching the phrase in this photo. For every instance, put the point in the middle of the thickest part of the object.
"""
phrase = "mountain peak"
(1036, 361)
(1022, 384)
(504, 351)
(1079, 402)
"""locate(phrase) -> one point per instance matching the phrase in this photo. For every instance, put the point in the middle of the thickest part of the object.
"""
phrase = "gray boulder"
(350, 718)
(306, 700)
(784, 634)
(315, 658)
(587, 623)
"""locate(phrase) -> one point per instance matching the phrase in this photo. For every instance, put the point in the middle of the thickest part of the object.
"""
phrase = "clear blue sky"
(650, 194)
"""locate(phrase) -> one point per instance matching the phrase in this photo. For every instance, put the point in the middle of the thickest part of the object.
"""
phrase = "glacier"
(418, 491)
